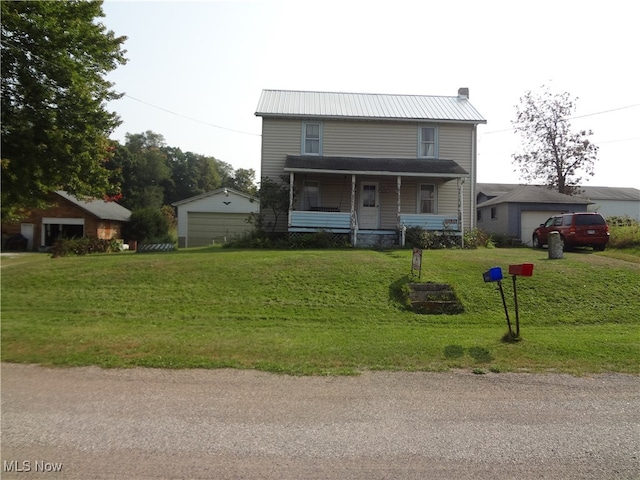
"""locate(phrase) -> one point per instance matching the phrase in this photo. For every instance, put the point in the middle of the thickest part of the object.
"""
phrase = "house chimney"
(463, 92)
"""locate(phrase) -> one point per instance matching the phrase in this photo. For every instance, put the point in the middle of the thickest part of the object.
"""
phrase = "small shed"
(518, 211)
(217, 216)
(68, 216)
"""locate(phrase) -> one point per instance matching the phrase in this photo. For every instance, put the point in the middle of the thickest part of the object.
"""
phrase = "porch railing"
(429, 222)
(330, 221)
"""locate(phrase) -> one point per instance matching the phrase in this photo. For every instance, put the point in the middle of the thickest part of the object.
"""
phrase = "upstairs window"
(312, 138)
(427, 200)
(428, 142)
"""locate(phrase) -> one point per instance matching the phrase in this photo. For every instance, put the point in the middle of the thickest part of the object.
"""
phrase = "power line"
(605, 111)
(191, 118)
(573, 118)
(619, 140)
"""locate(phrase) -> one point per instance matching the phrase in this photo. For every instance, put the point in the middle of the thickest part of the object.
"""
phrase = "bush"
(477, 238)
(63, 247)
(148, 225)
(418, 237)
(502, 240)
(261, 239)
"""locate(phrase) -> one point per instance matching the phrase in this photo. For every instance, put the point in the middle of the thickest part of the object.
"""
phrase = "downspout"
(472, 188)
(461, 210)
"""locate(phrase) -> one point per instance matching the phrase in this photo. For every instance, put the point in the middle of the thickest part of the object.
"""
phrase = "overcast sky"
(196, 69)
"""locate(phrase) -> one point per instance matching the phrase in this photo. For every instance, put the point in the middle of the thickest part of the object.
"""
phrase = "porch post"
(401, 228)
(291, 181)
(460, 210)
(354, 220)
(398, 185)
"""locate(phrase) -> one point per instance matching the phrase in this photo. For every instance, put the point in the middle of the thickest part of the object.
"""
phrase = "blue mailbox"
(492, 275)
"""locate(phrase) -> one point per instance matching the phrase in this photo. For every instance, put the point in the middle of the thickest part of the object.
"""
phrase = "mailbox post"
(526, 270)
(495, 275)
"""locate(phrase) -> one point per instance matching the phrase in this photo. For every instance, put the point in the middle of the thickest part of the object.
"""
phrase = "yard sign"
(416, 262)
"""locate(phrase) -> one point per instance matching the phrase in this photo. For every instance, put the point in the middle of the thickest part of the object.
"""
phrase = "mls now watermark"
(40, 466)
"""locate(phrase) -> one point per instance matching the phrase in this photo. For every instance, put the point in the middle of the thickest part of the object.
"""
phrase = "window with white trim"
(427, 198)
(312, 138)
(428, 142)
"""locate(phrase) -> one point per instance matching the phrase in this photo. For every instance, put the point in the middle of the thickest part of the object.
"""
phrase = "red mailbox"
(524, 269)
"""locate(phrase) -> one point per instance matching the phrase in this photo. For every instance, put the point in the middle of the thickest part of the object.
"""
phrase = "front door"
(369, 218)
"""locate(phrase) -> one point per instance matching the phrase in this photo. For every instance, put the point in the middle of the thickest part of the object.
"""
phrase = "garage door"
(529, 221)
(205, 228)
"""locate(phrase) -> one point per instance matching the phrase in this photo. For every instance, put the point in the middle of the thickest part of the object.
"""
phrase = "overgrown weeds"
(625, 232)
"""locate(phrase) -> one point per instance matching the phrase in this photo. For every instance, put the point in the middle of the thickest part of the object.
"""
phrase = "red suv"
(586, 229)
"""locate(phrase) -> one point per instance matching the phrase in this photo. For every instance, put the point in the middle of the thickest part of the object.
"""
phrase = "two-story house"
(371, 165)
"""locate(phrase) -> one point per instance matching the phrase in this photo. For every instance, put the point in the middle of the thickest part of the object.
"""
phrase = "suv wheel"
(536, 242)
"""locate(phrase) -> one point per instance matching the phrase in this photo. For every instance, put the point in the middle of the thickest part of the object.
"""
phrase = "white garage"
(218, 216)
(530, 220)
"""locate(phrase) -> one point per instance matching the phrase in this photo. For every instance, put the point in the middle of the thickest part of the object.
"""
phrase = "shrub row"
(63, 247)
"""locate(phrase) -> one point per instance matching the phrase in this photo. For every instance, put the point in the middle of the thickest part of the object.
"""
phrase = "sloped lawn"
(318, 312)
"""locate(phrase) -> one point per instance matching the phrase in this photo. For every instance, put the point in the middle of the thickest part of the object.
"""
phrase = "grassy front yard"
(318, 311)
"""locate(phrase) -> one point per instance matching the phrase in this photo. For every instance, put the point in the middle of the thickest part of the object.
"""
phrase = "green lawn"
(319, 311)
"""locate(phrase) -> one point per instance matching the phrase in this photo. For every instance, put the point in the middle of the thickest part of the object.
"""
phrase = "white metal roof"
(219, 191)
(100, 208)
(289, 103)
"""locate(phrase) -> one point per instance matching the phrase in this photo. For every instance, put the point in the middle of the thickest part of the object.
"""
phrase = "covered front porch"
(374, 200)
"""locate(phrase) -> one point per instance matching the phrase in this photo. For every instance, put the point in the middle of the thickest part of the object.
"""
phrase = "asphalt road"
(89, 423)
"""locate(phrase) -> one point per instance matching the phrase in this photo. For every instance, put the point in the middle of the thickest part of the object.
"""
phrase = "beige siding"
(370, 139)
(454, 143)
(279, 139)
(282, 137)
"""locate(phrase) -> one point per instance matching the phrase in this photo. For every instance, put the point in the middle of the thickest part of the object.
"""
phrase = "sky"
(196, 68)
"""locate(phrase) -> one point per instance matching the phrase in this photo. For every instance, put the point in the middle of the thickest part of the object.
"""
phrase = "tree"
(242, 181)
(148, 174)
(192, 174)
(148, 225)
(274, 198)
(55, 127)
(553, 153)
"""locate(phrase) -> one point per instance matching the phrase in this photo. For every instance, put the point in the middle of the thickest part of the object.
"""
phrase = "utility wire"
(573, 118)
(39, 58)
(191, 118)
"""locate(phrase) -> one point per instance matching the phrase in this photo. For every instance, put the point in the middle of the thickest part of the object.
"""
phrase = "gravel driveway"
(86, 423)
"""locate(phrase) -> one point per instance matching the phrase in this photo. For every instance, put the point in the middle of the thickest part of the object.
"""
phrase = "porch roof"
(411, 167)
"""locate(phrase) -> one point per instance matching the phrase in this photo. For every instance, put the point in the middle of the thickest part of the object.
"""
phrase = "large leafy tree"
(243, 180)
(552, 154)
(192, 174)
(146, 171)
(55, 126)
